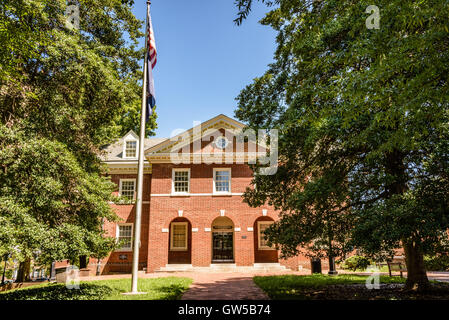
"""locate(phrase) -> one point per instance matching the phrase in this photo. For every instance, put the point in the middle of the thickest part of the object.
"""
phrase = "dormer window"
(130, 149)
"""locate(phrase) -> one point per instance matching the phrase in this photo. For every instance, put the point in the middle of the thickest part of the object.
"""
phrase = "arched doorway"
(263, 253)
(180, 241)
(222, 240)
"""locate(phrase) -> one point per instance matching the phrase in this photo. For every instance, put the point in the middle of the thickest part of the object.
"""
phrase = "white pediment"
(207, 128)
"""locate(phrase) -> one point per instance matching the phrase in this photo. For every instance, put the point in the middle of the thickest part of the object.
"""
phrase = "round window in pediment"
(221, 142)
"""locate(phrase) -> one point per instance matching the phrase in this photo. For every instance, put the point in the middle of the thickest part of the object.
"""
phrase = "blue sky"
(204, 59)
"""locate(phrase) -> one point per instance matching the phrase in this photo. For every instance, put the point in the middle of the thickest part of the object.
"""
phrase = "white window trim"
(173, 192)
(117, 233)
(124, 147)
(214, 192)
(171, 236)
(120, 187)
(258, 235)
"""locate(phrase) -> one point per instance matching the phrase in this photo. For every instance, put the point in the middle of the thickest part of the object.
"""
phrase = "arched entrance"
(222, 240)
(263, 253)
(180, 241)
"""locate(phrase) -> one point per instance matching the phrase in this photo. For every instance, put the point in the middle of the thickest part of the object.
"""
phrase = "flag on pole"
(152, 59)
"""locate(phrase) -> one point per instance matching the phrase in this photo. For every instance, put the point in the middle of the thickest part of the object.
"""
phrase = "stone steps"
(224, 267)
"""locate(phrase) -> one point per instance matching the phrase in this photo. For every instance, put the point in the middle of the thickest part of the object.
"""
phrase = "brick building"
(193, 214)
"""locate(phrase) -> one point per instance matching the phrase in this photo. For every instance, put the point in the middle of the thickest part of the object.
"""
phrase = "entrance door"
(223, 246)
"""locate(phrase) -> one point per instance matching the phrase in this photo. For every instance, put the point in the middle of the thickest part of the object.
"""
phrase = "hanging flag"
(152, 59)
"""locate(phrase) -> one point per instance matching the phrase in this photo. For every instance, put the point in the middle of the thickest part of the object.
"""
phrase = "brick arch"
(228, 214)
(176, 256)
(263, 255)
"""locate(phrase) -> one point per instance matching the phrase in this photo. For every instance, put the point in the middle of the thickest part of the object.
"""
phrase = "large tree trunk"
(23, 273)
(416, 272)
(98, 267)
(331, 258)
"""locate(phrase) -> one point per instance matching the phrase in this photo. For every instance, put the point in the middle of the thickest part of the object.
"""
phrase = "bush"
(8, 273)
(58, 291)
(355, 263)
(437, 263)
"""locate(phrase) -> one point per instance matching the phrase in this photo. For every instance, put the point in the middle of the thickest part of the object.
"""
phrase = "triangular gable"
(129, 134)
(198, 144)
(179, 141)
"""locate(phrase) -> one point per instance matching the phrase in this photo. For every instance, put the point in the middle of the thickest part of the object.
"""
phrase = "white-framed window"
(261, 227)
(181, 181)
(178, 236)
(125, 233)
(222, 180)
(130, 149)
(127, 188)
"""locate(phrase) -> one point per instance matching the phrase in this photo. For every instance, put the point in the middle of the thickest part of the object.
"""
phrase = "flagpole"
(136, 246)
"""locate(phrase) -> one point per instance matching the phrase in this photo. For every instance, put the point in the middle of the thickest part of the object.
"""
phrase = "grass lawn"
(317, 286)
(170, 288)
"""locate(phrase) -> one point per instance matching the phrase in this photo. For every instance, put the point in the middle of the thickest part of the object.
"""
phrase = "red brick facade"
(199, 209)
(203, 211)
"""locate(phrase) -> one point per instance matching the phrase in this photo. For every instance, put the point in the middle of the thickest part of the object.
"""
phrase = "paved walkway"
(211, 286)
(229, 286)
(222, 286)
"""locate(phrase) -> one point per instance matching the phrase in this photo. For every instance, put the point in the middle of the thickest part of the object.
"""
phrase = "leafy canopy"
(363, 118)
(64, 94)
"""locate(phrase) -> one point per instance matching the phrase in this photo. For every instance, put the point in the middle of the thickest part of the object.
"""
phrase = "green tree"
(64, 93)
(48, 202)
(363, 121)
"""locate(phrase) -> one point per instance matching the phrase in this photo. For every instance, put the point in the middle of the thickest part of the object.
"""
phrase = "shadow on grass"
(170, 288)
(172, 292)
(58, 291)
(341, 287)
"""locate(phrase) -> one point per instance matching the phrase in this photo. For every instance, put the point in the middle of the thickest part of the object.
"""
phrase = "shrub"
(58, 291)
(8, 273)
(355, 263)
(438, 262)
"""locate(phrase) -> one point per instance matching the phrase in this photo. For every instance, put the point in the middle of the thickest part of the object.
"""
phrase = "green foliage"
(169, 288)
(9, 273)
(438, 262)
(58, 291)
(363, 125)
(79, 86)
(64, 93)
(356, 263)
(48, 203)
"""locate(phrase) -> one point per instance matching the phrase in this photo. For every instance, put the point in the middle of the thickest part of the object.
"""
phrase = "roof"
(114, 152)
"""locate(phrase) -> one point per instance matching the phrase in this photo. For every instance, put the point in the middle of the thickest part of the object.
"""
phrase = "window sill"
(174, 194)
(222, 194)
(123, 250)
(178, 249)
(130, 202)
